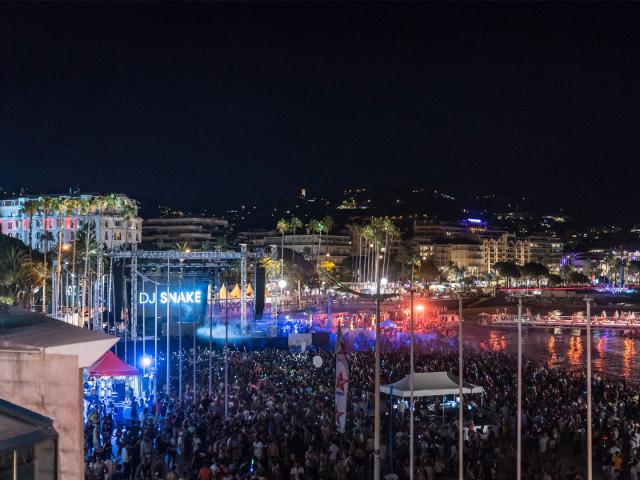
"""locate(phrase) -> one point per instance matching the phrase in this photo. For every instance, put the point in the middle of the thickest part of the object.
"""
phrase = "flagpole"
(342, 382)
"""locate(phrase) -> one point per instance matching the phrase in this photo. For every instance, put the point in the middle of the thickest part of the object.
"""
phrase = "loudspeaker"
(258, 292)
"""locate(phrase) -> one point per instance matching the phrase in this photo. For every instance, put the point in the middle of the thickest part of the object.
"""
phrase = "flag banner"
(342, 382)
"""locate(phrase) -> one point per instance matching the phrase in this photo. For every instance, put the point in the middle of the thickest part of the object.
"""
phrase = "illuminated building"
(194, 231)
(115, 227)
(473, 245)
(336, 247)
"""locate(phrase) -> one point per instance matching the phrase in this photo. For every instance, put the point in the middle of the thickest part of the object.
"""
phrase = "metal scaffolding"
(195, 260)
(243, 287)
(98, 291)
(134, 293)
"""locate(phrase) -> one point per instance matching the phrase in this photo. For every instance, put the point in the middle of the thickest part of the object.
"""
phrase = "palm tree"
(110, 203)
(45, 206)
(59, 208)
(282, 226)
(356, 232)
(294, 224)
(368, 235)
(455, 273)
(620, 266)
(390, 232)
(327, 223)
(13, 258)
(313, 227)
(610, 262)
(128, 212)
(507, 270)
(88, 244)
(86, 206)
(183, 247)
(32, 275)
(29, 209)
(74, 206)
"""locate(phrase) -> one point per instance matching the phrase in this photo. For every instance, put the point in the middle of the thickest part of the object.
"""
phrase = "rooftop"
(20, 427)
(24, 330)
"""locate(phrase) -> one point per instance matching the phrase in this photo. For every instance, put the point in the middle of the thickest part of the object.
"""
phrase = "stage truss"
(164, 258)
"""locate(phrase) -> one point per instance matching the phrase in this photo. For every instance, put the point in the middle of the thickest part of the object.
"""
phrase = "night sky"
(216, 104)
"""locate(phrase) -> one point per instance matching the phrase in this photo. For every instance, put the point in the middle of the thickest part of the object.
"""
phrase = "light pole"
(210, 337)
(226, 354)
(144, 330)
(461, 387)
(155, 345)
(519, 412)
(377, 412)
(168, 333)
(589, 424)
(411, 368)
(196, 322)
(282, 284)
(378, 297)
(180, 336)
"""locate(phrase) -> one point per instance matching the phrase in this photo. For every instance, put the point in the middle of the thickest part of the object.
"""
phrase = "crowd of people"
(280, 422)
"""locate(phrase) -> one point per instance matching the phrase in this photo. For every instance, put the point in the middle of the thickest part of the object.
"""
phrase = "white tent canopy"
(429, 384)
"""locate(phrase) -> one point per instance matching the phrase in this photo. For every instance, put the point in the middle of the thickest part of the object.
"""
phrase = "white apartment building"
(113, 228)
(335, 247)
(194, 231)
(478, 248)
(463, 253)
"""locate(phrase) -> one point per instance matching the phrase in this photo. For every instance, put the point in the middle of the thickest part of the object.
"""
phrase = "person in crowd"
(280, 422)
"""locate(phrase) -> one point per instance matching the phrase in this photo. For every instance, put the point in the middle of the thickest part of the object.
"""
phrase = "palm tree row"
(88, 212)
(374, 240)
(288, 226)
(323, 225)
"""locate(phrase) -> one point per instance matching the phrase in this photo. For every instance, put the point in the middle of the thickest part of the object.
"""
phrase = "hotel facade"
(116, 226)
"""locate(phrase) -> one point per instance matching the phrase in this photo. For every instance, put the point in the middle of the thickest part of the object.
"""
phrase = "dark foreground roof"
(20, 427)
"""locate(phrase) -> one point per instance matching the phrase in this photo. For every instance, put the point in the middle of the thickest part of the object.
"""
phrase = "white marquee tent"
(429, 384)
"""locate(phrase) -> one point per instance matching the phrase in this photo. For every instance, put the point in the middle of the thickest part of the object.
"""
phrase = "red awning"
(111, 366)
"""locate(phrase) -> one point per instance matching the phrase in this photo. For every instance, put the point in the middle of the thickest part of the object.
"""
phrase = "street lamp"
(460, 386)
(589, 424)
(375, 295)
(146, 361)
(282, 283)
(411, 386)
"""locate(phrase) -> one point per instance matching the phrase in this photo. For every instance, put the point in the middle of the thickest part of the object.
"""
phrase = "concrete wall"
(51, 386)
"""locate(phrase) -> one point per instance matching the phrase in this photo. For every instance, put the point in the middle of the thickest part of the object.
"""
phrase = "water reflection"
(574, 354)
(551, 347)
(614, 355)
(497, 341)
(627, 357)
(601, 348)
